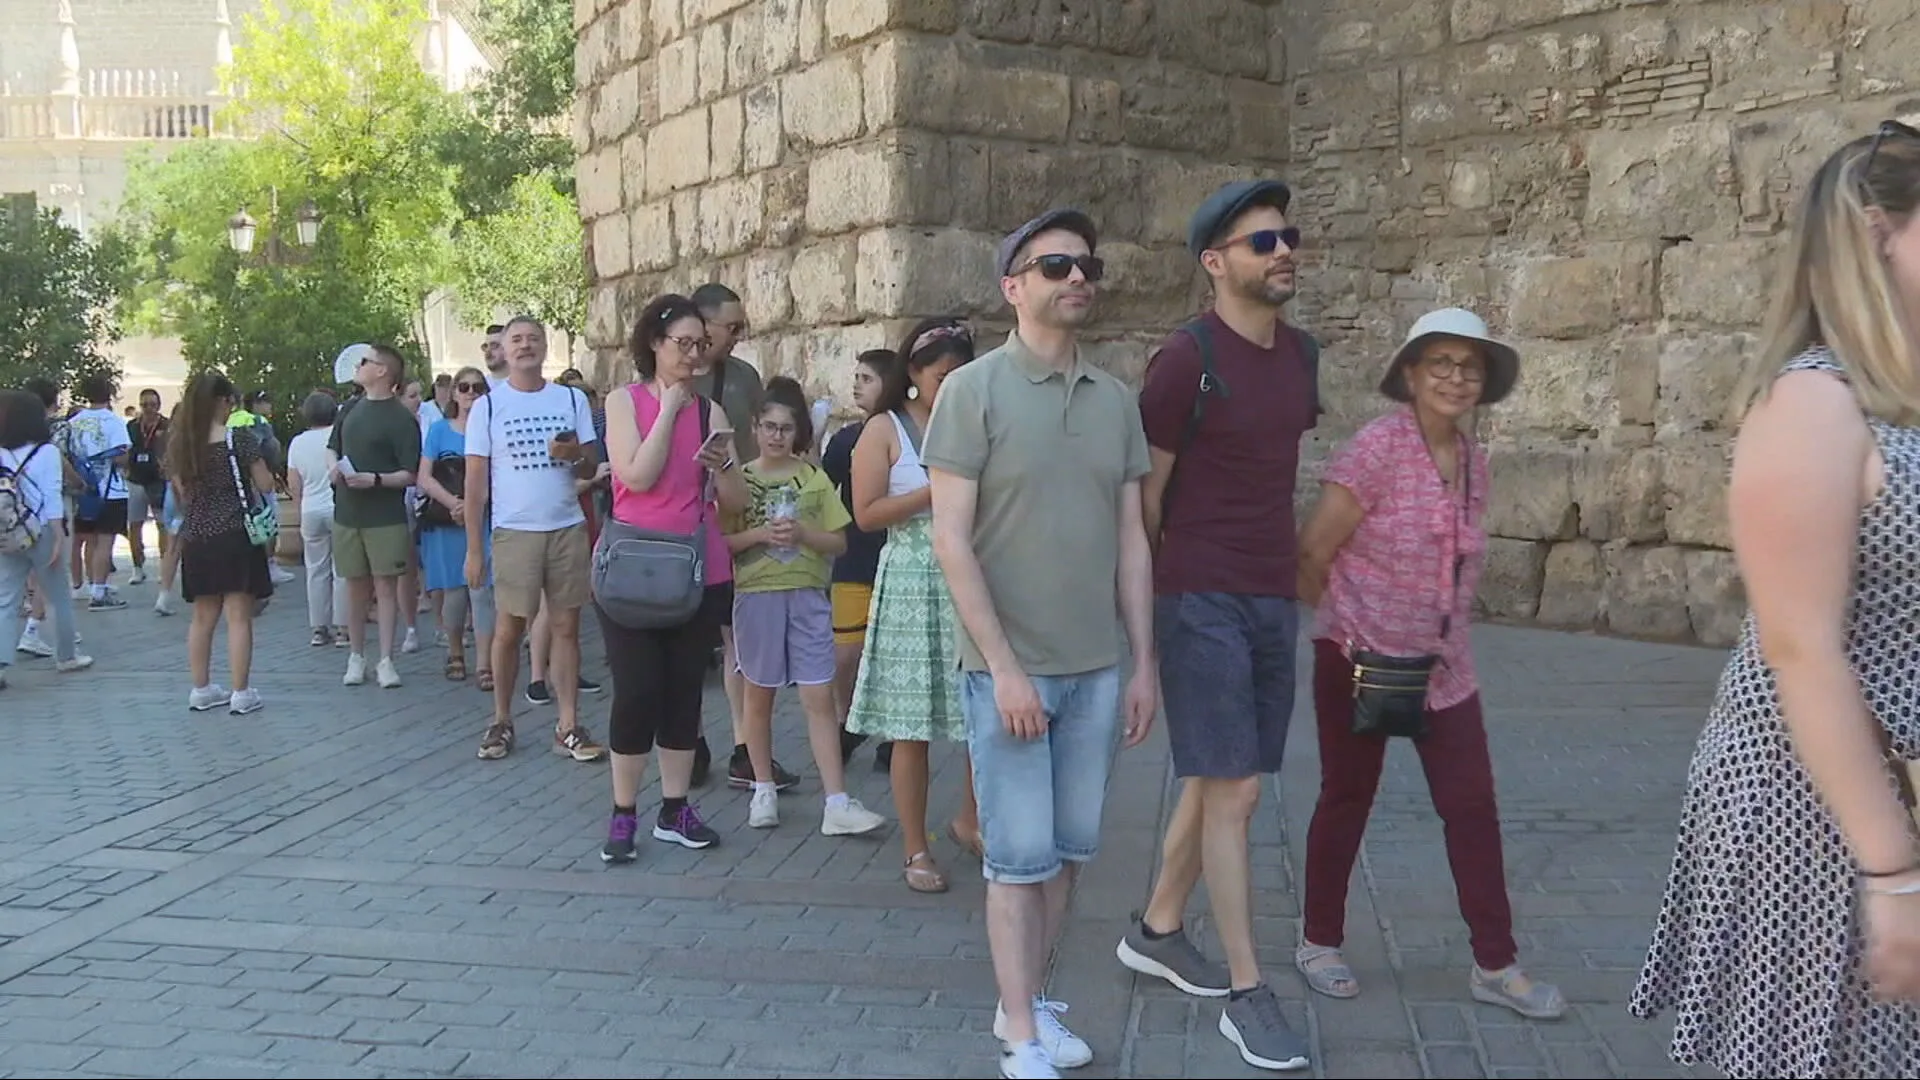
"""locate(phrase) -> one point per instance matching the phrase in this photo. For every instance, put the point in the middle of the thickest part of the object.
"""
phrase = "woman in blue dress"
(443, 531)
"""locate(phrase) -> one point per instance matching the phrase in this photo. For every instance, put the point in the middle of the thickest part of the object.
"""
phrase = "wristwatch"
(377, 482)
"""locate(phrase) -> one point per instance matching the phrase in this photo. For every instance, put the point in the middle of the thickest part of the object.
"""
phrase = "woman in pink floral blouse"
(1390, 561)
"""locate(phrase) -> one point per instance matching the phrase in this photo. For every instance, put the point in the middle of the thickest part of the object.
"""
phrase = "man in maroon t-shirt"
(1220, 503)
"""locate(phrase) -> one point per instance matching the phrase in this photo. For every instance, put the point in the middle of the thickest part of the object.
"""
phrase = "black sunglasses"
(1267, 241)
(1060, 267)
(471, 387)
(1887, 127)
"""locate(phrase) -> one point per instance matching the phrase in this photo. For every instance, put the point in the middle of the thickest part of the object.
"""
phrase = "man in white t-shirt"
(528, 440)
(96, 442)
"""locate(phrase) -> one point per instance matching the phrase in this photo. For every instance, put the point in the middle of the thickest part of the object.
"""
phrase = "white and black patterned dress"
(1758, 948)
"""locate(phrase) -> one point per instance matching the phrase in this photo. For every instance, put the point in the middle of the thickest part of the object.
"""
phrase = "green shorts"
(375, 551)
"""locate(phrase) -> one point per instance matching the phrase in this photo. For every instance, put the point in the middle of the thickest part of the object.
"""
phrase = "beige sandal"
(923, 876)
(1326, 971)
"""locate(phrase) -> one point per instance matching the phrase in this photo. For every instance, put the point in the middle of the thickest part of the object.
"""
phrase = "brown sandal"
(456, 669)
(485, 679)
(923, 876)
(969, 839)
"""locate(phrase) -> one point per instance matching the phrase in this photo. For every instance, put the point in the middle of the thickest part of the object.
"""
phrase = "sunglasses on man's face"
(1061, 267)
(1267, 241)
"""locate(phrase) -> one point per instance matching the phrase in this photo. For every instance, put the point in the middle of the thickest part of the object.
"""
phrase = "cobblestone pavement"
(336, 887)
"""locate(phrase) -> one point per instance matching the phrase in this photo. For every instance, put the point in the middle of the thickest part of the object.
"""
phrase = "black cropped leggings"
(658, 677)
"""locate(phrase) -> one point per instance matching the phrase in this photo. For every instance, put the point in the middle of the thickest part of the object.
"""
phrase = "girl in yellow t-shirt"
(783, 547)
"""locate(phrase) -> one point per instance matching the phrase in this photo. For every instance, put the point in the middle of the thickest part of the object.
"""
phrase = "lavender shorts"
(784, 638)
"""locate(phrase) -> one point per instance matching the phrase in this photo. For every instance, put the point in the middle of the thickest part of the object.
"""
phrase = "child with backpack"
(33, 528)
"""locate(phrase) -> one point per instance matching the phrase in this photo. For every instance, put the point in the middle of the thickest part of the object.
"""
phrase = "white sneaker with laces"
(764, 811)
(388, 675)
(163, 604)
(205, 698)
(78, 663)
(245, 701)
(356, 670)
(411, 642)
(33, 644)
(138, 577)
(852, 819)
(1065, 1050)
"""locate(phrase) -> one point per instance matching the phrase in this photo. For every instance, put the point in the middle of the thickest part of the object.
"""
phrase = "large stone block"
(597, 183)
(652, 242)
(791, 32)
(1227, 37)
(1573, 586)
(1566, 298)
(713, 60)
(1362, 31)
(1696, 478)
(1699, 375)
(1530, 494)
(1636, 378)
(822, 280)
(1177, 111)
(1012, 103)
(1643, 585)
(1879, 54)
(1153, 287)
(1540, 82)
(732, 214)
(1621, 492)
(820, 105)
(727, 120)
(1717, 284)
(617, 104)
(1716, 596)
(611, 255)
(677, 75)
(1476, 19)
(1674, 181)
(677, 153)
(1510, 585)
(747, 48)
(769, 294)
(916, 273)
(1565, 388)
(763, 141)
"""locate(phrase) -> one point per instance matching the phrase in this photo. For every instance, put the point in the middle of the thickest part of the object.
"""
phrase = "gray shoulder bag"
(644, 579)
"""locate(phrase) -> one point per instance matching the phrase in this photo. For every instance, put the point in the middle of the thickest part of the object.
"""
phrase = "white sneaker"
(280, 574)
(411, 642)
(33, 644)
(138, 577)
(388, 675)
(83, 592)
(764, 811)
(852, 819)
(356, 670)
(245, 701)
(163, 604)
(78, 663)
(204, 698)
(1027, 1061)
(1065, 1050)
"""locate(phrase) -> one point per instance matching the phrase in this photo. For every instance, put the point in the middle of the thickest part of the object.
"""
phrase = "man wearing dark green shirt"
(376, 448)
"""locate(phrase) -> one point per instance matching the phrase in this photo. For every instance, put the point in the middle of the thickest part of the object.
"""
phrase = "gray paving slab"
(335, 886)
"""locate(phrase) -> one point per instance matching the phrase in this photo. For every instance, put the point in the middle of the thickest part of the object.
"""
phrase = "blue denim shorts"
(1227, 681)
(1041, 799)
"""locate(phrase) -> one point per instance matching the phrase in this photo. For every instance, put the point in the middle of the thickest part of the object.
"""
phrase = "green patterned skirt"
(909, 683)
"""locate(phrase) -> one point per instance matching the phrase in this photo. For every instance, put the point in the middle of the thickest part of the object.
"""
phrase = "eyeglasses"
(1266, 241)
(1446, 367)
(691, 346)
(776, 430)
(470, 387)
(1061, 267)
(1887, 127)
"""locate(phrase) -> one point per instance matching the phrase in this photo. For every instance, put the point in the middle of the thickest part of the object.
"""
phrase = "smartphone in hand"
(715, 441)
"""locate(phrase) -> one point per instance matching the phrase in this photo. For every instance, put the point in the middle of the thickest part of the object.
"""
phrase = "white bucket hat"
(1503, 364)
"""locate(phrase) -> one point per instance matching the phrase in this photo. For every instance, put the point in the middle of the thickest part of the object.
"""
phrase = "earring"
(913, 392)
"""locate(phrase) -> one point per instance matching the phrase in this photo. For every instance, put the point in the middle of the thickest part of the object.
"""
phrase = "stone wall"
(1607, 181)
(1604, 179)
(849, 165)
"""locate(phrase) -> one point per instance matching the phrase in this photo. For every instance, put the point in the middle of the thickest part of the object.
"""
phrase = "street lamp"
(307, 225)
(240, 230)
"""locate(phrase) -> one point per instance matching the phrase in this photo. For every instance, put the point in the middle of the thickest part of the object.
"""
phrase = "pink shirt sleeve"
(1361, 465)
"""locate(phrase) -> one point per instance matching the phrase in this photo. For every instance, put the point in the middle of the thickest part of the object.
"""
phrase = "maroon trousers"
(1460, 778)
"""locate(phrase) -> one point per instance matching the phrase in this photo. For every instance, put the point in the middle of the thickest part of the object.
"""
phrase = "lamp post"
(242, 229)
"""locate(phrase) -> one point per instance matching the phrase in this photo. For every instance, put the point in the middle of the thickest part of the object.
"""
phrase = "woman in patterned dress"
(1788, 944)
(907, 690)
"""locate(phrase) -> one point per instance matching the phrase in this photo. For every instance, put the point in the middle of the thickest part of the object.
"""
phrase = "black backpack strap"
(1310, 345)
(1210, 385)
(706, 419)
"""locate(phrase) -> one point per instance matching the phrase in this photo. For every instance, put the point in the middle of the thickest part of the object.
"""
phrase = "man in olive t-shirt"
(376, 446)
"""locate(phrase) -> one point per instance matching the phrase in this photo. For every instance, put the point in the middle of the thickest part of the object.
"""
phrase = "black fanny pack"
(1390, 693)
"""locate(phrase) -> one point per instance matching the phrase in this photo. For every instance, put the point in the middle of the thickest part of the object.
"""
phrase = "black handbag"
(1390, 692)
(452, 474)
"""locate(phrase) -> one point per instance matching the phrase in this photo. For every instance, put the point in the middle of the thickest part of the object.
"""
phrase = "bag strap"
(233, 464)
(1210, 384)
(1452, 588)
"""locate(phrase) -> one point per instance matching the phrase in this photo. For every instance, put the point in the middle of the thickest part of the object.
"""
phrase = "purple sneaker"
(620, 830)
(683, 827)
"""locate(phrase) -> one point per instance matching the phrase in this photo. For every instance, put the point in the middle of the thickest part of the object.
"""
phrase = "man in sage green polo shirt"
(1036, 458)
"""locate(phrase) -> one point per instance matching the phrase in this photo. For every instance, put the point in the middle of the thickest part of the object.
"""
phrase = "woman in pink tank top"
(663, 466)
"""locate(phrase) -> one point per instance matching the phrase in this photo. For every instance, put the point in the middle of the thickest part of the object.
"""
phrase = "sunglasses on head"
(1887, 127)
(1267, 241)
(1060, 267)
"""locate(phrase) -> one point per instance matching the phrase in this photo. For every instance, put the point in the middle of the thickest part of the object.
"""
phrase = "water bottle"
(784, 505)
(822, 412)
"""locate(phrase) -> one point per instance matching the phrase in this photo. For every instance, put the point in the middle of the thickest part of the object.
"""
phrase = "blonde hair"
(1833, 286)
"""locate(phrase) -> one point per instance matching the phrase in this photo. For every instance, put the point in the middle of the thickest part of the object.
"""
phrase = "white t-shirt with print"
(40, 484)
(531, 492)
(95, 433)
(307, 455)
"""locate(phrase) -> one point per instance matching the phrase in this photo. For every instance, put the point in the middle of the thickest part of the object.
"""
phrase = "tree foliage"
(526, 258)
(59, 298)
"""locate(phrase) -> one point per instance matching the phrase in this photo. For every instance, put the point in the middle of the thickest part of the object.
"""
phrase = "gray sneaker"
(1175, 959)
(1252, 1022)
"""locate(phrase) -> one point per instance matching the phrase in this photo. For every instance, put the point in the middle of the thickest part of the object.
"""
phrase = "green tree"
(59, 298)
(525, 258)
(516, 120)
(345, 117)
